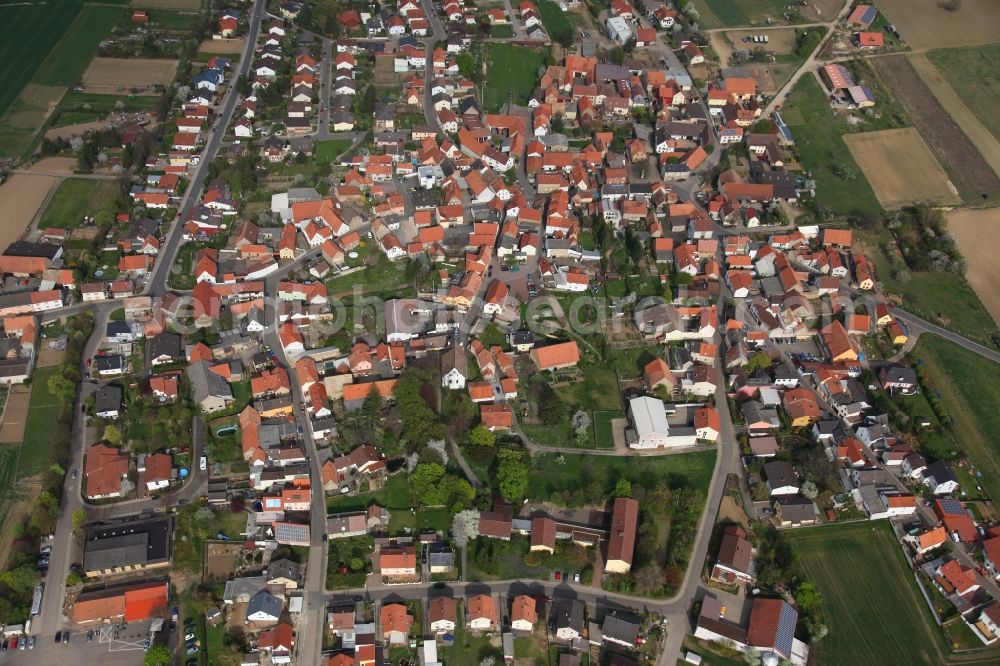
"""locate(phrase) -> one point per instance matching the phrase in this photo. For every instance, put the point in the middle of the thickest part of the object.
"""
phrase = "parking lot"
(111, 645)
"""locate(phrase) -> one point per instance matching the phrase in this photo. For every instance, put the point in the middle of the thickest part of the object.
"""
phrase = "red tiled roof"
(624, 520)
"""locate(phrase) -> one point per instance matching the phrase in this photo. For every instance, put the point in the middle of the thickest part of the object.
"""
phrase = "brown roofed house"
(621, 541)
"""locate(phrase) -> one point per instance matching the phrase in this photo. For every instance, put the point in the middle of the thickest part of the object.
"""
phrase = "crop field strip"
(958, 154)
(27, 35)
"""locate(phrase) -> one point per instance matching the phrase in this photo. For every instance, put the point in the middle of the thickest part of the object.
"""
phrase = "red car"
(558, 575)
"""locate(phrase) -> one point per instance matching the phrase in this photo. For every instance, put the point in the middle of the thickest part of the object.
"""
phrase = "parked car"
(58, 637)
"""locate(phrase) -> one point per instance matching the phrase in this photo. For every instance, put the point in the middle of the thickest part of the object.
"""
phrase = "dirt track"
(978, 235)
(20, 197)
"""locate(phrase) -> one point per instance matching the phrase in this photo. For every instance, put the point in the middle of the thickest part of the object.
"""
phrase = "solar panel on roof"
(952, 507)
(786, 630)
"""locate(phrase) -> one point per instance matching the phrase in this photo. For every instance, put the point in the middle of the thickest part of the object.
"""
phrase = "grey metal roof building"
(128, 546)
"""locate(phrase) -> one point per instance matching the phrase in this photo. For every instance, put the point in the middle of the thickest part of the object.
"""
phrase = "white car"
(203, 464)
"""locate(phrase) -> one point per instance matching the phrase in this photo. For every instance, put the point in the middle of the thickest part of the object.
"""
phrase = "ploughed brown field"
(901, 168)
(977, 233)
(923, 24)
(129, 72)
(21, 195)
(231, 46)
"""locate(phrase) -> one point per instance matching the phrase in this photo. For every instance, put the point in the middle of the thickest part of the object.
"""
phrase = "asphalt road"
(51, 617)
(431, 11)
(313, 615)
(157, 283)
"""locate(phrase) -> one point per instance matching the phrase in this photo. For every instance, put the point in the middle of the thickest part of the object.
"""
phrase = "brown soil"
(977, 233)
(64, 165)
(15, 414)
(957, 153)
(732, 512)
(901, 168)
(923, 24)
(79, 129)
(232, 46)
(49, 357)
(129, 72)
(20, 198)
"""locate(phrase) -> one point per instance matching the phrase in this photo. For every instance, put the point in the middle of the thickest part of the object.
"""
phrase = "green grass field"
(603, 434)
(874, 611)
(729, 13)
(553, 473)
(554, 19)
(71, 56)
(167, 20)
(818, 139)
(971, 392)
(328, 151)
(43, 410)
(26, 116)
(75, 198)
(510, 69)
(972, 72)
(27, 34)
(8, 471)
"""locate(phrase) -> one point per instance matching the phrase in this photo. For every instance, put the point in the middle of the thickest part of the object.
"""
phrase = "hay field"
(977, 233)
(980, 135)
(129, 72)
(20, 198)
(901, 168)
(222, 46)
(924, 25)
